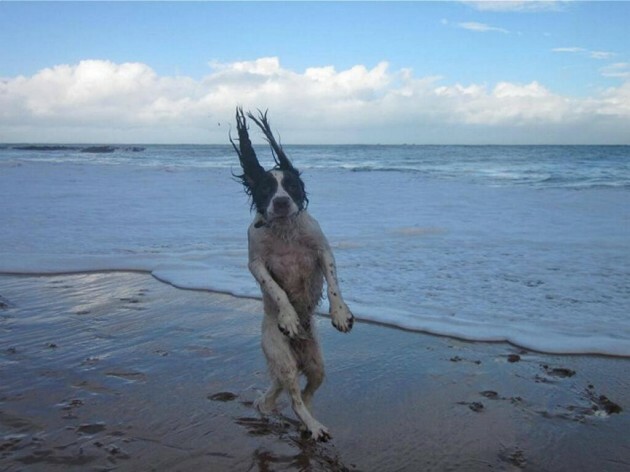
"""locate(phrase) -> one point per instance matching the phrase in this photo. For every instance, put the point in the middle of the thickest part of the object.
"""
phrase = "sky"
(460, 72)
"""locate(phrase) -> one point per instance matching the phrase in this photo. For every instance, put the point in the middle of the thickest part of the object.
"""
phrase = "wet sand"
(118, 371)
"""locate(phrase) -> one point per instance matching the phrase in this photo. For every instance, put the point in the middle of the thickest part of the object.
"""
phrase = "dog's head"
(278, 193)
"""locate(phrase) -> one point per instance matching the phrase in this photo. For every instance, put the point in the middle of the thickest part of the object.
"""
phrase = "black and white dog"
(290, 257)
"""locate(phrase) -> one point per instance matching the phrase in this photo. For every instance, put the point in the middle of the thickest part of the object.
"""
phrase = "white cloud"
(571, 50)
(481, 27)
(506, 104)
(586, 52)
(617, 70)
(616, 102)
(516, 5)
(95, 90)
(101, 101)
(601, 54)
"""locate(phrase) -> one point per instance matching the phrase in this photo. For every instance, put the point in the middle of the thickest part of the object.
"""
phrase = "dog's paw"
(342, 318)
(264, 406)
(318, 433)
(289, 324)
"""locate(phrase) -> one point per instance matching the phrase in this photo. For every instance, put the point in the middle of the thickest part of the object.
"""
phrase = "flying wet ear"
(252, 170)
(278, 153)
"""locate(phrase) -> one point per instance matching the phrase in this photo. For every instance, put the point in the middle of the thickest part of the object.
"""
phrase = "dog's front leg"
(288, 321)
(342, 318)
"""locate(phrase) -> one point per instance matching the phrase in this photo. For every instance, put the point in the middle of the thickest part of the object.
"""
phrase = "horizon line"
(99, 143)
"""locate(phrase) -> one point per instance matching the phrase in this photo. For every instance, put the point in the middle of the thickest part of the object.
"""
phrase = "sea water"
(525, 244)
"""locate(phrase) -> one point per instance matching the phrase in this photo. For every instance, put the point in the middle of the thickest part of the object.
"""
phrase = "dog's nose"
(281, 204)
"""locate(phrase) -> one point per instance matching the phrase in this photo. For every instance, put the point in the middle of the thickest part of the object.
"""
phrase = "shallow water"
(118, 370)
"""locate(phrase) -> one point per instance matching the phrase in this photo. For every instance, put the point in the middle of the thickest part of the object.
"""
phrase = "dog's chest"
(291, 261)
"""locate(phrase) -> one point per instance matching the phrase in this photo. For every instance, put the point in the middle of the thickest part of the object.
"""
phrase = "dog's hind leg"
(267, 402)
(283, 367)
(317, 430)
(314, 371)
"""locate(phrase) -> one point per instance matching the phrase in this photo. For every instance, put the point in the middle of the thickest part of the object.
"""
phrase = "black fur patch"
(294, 186)
(262, 192)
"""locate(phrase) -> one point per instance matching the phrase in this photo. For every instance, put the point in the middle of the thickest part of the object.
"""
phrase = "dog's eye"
(291, 185)
(266, 186)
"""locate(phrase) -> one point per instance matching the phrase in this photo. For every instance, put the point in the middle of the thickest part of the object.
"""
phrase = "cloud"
(96, 92)
(481, 27)
(102, 101)
(571, 50)
(602, 54)
(506, 103)
(617, 70)
(586, 52)
(616, 101)
(516, 5)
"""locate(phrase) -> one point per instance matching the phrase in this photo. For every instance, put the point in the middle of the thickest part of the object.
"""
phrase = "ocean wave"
(426, 319)
(442, 255)
(578, 167)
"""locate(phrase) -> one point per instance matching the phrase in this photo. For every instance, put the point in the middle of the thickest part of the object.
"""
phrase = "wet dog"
(290, 258)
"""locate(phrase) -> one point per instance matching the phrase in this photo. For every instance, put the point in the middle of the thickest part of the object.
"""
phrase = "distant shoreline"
(127, 146)
(89, 149)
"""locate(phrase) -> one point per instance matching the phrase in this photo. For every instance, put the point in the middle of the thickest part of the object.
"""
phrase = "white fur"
(290, 258)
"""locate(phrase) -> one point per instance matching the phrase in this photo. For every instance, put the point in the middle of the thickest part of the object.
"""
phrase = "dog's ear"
(278, 153)
(252, 170)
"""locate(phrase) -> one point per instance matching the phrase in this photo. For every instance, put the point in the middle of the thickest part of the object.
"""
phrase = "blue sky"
(450, 71)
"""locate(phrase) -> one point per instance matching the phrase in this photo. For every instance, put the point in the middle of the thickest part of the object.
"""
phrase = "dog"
(290, 258)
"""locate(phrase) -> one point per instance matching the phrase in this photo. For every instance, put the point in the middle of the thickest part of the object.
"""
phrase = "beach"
(119, 371)
(468, 164)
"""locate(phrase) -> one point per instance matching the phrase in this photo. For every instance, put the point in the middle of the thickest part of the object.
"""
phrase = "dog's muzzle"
(281, 206)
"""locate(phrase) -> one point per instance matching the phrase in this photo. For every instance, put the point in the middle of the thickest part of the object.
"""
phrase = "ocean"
(524, 244)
